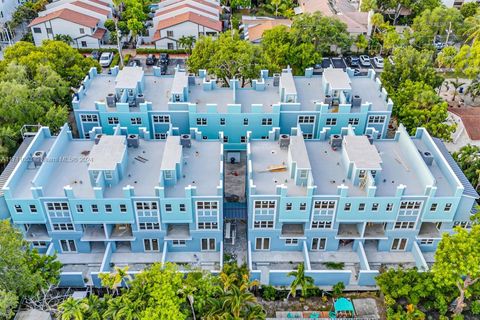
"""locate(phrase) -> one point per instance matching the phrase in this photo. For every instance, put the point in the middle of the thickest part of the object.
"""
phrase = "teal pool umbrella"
(343, 306)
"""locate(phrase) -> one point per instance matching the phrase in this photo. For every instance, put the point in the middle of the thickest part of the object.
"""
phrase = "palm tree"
(96, 307)
(131, 309)
(116, 16)
(236, 300)
(187, 42)
(121, 276)
(73, 309)
(301, 280)
(474, 89)
(473, 31)
(114, 308)
(455, 84)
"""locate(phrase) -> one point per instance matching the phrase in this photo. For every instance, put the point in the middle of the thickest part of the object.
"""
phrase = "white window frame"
(150, 242)
(319, 242)
(399, 242)
(68, 243)
(209, 242)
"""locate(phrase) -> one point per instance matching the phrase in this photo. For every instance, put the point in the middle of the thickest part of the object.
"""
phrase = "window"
(113, 120)
(201, 121)
(225, 139)
(263, 225)
(331, 121)
(83, 43)
(108, 175)
(18, 208)
(222, 121)
(353, 121)
(148, 226)
(303, 206)
(243, 139)
(49, 31)
(39, 244)
(347, 207)
(208, 244)
(303, 174)
(37, 30)
(94, 208)
(179, 243)
(362, 174)
(182, 207)
(168, 175)
(410, 208)
(58, 209)
(306, 119)
(426, 241)
(170, 46)
(89, 118)
(136, 121)
(463, 224)
(321, 224)
(161, 136)
(82, 30)
(404, 225)
(319, 244)
(108, 208)
(291, 242)
(448, 207)
(389, 207)
(33, 208)
(169, 33)
(123, 208)
(288, 206)
(324, 208)
(267, 121)
(438, 225)
(264, 207)
(63, 227)
(168, 207)
(361, 207)
(308, 136)
(79, 208)
(205, 138)
(161, 119)
(399, 244)
(207, 208)
(245, 121)
(151, 245)
(262, 244)
(375, 207)
(433, 207)
(376, 119)
(68, 246)
(207, 226)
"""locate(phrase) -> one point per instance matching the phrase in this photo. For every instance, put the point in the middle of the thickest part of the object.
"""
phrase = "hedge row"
(139, 50)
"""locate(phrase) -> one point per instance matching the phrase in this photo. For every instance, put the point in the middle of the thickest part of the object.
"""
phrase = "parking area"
(344, 62)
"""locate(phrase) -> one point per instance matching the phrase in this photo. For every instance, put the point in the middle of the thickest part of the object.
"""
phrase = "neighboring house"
(357, 22)
(254, 27)
(457, 3)
(467, 120)
(83, 20)
(7, 9)
(175, 19)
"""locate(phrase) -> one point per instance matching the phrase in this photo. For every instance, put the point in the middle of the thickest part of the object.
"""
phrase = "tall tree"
(457, 263)
(300, 280)
(187, 42)
(468, 159)
(472, 31)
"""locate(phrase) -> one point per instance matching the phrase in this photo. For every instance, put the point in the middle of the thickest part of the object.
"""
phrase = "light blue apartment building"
(290, 170)
(136, 100)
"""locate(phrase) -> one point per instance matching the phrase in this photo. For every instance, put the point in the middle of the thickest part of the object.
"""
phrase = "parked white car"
(378, 61)
(106, 59)
(365, 61)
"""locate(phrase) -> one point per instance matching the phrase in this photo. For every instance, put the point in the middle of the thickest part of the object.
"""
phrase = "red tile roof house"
(175, 19)
(83, 20)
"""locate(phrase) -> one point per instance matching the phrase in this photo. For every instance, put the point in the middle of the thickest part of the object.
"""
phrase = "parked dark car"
(163, 69)
(353, 61)
(134, 63)
(164, 58)
(96, 55)
(151, 59)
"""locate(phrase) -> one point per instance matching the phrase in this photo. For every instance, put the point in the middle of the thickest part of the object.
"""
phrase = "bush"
(475, 307)
(334, 265)
(126, 59)
(338, 288)
(269, 293)
(313, 292)
(115, 60)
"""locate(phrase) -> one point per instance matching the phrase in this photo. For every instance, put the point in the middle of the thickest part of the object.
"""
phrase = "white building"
(7, 9)
(83, 20)
(175, 19)
(457, 3)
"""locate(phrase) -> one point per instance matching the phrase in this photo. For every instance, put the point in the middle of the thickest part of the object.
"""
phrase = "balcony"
(94, 232)
(375, 230)
(203, 260)
(348, 231)
(122, 232)
(178, 231)
(37, 232)
(428, 230)
(293, 230)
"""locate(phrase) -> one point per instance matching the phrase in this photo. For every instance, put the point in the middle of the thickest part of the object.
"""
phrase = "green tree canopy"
(468, 159)
(469, 9)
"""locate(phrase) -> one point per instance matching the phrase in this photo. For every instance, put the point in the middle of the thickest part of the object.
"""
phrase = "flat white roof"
(172, 154)
(180, 81)
(363, 154)
(107, 153)
(128, 77)
(337, 78)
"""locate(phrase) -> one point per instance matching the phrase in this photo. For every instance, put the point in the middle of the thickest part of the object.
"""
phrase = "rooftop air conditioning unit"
(276, 79)
(427, 157)
(38, 157)
(97, 138)
(370, 138)
(111, 100)
(284, 141)
(191, 79)
(133, 140)
(356, 101)
(336, 140)
(185, 140)
(139, 99)
(328, 99)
